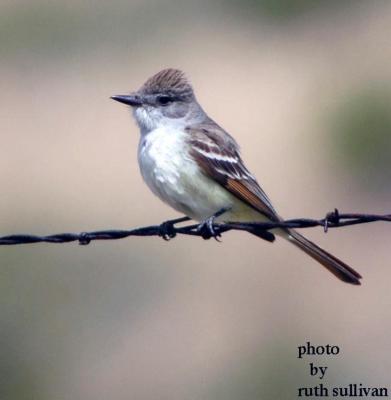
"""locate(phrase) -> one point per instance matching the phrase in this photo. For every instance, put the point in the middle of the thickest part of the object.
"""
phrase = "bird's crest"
(171, 81)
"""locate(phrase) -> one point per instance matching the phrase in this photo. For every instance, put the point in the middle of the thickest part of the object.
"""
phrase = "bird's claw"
(167, 230)
(207, 229)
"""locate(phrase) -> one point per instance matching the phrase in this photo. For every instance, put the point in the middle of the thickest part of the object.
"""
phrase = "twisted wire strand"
(332, 220)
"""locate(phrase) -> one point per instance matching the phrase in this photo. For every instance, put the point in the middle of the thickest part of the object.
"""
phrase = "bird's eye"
(163, 100)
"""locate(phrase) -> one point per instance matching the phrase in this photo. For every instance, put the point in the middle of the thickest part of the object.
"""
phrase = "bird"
(192, 164)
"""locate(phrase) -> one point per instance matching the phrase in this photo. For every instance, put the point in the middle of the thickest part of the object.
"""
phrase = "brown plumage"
(218, 156)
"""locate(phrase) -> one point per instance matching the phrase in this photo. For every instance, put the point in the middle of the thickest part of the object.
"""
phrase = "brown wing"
(217, 154)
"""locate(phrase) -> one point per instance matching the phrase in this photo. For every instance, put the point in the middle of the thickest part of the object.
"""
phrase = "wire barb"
(331, 217)
(168, 230)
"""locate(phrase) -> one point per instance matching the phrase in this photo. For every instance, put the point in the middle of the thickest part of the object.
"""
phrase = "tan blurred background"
(303, 86)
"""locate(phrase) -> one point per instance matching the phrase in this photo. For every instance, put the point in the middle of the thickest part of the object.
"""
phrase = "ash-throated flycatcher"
(194, 165)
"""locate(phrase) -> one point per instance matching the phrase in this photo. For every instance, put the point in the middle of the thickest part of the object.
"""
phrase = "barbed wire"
(167, 230)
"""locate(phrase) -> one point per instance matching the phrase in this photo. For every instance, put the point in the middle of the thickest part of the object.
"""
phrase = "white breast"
(172, 174)
(163, 161)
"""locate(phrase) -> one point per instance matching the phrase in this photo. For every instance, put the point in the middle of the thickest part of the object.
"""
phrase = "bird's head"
(165, 99)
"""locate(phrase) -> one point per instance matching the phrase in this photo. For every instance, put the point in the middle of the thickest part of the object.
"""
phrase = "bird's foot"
(167, 229)
(207, 227)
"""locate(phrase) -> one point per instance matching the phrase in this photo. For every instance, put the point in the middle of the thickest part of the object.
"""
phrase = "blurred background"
(304, 86)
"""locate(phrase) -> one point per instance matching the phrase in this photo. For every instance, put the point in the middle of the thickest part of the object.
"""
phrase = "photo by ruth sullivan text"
(321, 353)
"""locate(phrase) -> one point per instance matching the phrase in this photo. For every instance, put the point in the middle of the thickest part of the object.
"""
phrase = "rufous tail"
(332, 263)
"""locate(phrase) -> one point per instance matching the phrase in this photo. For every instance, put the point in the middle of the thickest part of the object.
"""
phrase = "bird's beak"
(131, 99)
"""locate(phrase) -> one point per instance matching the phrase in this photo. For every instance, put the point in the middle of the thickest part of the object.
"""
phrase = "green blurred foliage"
(55, 31)
(362, 136)
(36, 27)
(287, 9)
